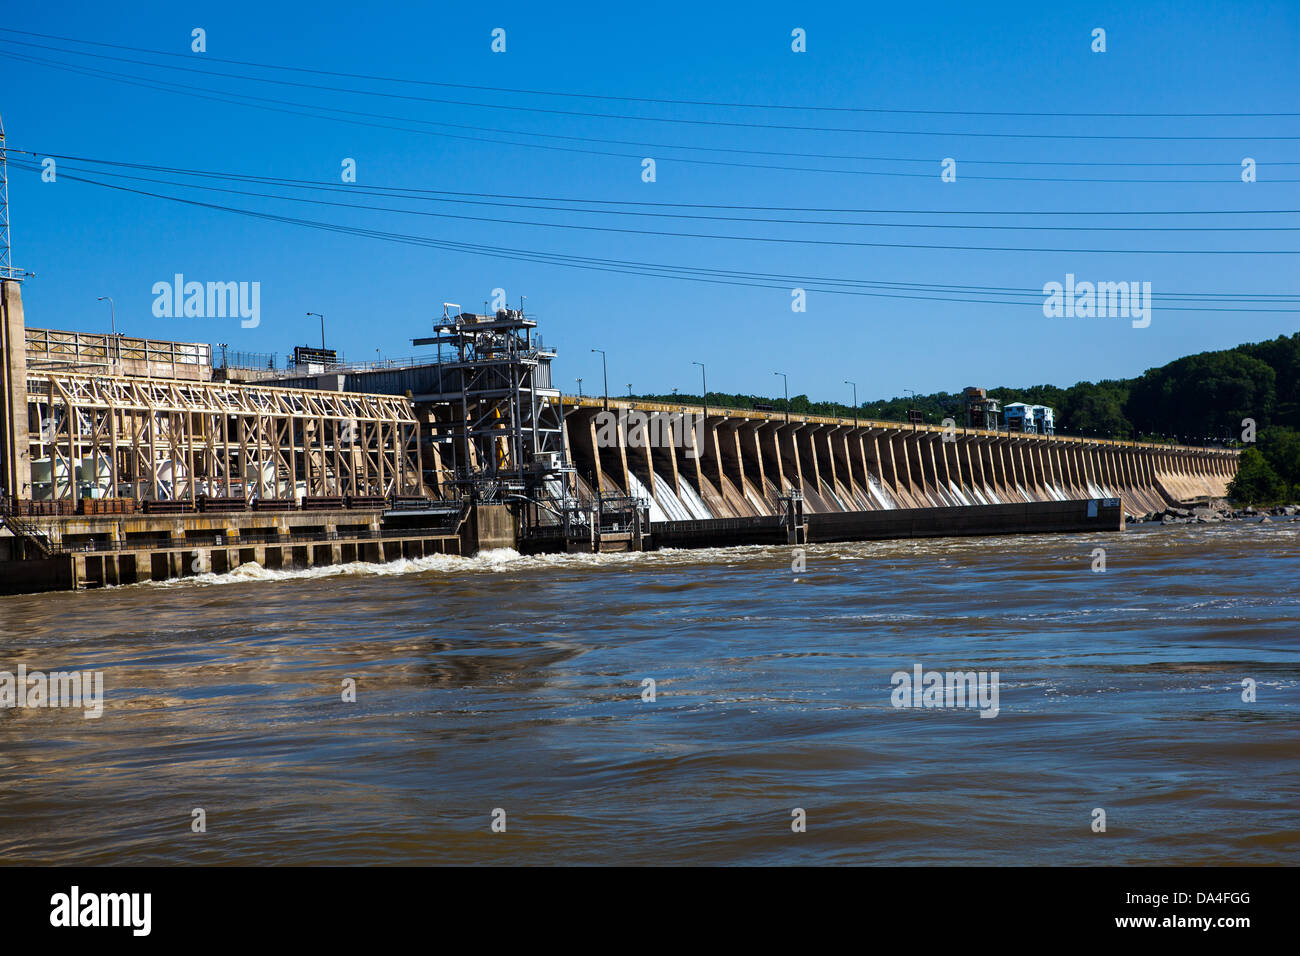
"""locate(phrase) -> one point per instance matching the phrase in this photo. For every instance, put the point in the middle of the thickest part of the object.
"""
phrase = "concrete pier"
(105, 550)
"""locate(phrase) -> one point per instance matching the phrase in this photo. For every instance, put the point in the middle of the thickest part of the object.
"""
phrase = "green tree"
(1205, 395)
(1096, 410)
(1256, 482)
(1281, 449)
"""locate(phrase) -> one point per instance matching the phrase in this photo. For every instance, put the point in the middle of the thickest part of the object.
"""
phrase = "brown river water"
(504, 683)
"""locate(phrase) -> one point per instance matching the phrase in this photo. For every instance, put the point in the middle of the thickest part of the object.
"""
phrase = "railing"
(100, 348)
(251, 360)
(9, 518)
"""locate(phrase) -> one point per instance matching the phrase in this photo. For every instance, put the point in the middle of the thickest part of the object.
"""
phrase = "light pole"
(704, 384)
(787, 393)
(855, 401)
(322, 328)
(112, 317)
(909, 410)
(605, 372)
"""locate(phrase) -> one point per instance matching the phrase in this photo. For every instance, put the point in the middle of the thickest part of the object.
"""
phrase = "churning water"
(513, 683)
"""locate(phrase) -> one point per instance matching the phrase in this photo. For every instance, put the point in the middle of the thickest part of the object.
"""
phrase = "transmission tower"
(7, 270)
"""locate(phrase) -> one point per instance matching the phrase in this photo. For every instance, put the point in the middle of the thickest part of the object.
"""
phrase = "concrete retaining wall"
(1038, 517)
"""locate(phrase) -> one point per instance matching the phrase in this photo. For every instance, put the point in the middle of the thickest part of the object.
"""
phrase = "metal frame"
(503, 412)
(220, 439)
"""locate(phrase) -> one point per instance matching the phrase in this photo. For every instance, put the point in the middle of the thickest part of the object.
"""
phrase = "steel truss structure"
(504, 420)
(161, 439)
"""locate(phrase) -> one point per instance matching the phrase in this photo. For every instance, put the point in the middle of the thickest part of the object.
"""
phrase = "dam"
(125, 460)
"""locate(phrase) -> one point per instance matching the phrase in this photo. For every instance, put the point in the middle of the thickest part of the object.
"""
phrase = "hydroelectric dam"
(125, 460)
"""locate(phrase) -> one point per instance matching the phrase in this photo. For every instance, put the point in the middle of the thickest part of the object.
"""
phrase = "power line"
(733, 124)
(646, 99)
(680, 205)
(399, 193)
(846, 243)
(720, 277)
(312, 111)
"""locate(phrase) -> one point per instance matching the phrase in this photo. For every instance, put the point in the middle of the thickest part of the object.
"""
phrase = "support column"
(15, 448)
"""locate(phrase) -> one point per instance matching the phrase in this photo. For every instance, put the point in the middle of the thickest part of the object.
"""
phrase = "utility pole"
(704, 384)
(112, 317)
(605, 371)
(322, 328)
(787, 393)
(580, 388)
(855, 401)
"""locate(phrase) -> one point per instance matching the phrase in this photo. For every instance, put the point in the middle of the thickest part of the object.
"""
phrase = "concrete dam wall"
(732, 463)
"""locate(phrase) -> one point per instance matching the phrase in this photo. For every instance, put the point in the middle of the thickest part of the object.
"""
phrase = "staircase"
(25, 532)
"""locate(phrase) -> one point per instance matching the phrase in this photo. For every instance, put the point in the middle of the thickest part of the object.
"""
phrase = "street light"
(322, 328)
(787, 393)
(855, 401)
(704, 384)
(112, 317)
(605, 372)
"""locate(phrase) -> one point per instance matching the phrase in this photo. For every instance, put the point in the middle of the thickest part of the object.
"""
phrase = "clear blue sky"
(83, 241)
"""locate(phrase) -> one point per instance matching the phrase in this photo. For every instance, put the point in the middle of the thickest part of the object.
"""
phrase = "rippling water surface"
(515, 683)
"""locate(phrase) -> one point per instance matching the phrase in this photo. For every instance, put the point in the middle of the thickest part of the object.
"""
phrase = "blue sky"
(83, 241)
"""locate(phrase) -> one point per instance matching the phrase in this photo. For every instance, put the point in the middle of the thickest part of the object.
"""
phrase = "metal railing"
(25, 532)
(101, 348)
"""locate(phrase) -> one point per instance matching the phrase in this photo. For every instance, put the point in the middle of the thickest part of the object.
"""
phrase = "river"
(512, 690)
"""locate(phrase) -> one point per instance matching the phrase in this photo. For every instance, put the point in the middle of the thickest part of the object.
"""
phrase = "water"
(693, 503)
(515, 683)
(882, 495)
(638, 490)
(668, 499)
